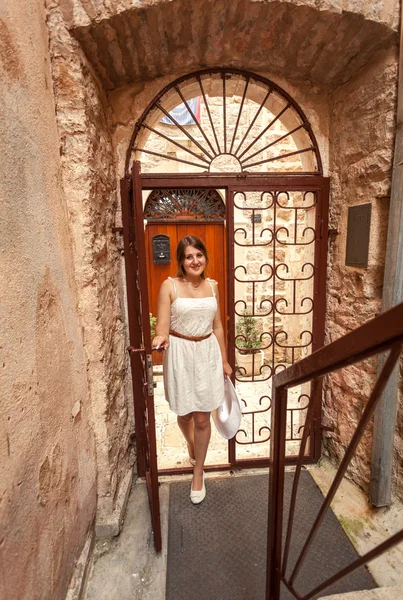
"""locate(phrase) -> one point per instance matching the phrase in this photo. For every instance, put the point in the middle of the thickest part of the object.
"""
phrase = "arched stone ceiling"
(322, 41)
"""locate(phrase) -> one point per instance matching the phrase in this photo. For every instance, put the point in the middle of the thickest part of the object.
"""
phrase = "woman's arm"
(161, 340)
(218, 330)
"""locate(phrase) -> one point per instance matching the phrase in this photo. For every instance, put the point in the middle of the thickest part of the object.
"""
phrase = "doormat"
(217, 549)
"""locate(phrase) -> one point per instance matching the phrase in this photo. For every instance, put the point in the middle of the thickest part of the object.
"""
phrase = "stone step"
(384, 593)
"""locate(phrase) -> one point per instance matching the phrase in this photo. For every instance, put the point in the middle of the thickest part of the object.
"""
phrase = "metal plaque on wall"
(358, 229)
(161, 250)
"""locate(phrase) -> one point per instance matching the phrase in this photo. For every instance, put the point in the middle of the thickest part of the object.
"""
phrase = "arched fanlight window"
(225, 120)
(184, 205)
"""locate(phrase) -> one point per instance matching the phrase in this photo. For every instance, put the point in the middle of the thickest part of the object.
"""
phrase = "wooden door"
(213, 236)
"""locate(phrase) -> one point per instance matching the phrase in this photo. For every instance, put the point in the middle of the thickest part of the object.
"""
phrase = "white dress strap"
(174, 284)
(209, 282)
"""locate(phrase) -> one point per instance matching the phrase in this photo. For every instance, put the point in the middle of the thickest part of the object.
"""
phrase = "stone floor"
(365, 525)
(127, 568)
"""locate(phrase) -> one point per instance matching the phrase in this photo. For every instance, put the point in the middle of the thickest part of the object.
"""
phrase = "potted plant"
(153, 323)
(249, 355)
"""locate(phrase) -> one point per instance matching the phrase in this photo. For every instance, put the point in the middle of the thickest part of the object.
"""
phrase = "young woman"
(189, 329)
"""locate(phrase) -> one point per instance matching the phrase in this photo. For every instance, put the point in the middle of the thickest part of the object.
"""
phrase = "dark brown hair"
(189, 240)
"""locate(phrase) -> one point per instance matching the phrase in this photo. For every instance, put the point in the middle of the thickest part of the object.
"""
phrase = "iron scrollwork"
(187, 204)
(274, 274)
(254, 148)
(254, 435)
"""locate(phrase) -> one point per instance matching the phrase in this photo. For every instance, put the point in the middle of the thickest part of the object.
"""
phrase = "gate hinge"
(327, 428)
(321, 229)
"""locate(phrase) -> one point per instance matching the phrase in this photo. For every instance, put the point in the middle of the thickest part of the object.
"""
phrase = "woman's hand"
(160, 342)
(227, 369)
(161, 338)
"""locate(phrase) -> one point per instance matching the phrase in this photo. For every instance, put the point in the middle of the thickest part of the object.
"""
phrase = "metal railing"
(379, 335)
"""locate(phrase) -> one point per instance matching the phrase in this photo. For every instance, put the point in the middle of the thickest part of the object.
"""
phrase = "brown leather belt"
(189, 337)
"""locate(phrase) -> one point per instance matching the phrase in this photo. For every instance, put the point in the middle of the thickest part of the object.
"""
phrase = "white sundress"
(193, 371)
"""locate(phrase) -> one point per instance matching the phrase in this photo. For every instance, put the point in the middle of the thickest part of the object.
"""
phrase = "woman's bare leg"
(202, 434)
(186, 426)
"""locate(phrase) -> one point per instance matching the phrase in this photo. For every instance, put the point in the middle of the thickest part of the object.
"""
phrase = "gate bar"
(127, 220)
(282, 181)
(382, 333)
(368, 412)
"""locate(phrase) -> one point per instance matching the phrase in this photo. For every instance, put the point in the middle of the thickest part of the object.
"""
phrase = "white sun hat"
(227, 417)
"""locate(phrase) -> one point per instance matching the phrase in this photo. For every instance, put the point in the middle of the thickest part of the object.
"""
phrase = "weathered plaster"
(65, 423)
(89, 181)
(48, 457)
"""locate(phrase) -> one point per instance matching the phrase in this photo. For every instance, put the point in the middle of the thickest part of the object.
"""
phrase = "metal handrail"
(378, 335)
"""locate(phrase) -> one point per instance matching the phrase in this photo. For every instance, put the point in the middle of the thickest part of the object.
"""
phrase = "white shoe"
(198, 496)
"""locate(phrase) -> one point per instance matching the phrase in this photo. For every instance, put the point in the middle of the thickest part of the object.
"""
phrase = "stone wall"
(90, 183)
(361, 141)
(361, 137)
(321, 41)
(47, 447)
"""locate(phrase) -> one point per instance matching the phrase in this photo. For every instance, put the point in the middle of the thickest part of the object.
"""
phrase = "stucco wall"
(48, 458)
(90, 183)
(361, 142)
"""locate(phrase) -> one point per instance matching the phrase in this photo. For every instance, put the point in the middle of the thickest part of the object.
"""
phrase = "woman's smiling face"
(194, 262)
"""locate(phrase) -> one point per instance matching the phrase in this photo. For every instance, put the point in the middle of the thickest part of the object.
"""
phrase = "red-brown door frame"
(140, 343)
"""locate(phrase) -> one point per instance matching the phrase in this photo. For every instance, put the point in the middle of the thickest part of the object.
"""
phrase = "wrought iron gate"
(276, 252)
(277, 241)
(252, 132)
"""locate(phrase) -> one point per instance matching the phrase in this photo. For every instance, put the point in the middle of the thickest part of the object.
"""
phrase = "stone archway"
(252, 120)
(324, 42)
(103, 57)
(247, 120)
(330, 59)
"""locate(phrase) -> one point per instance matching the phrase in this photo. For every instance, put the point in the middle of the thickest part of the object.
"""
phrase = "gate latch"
(150, 377)
(133, 349)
